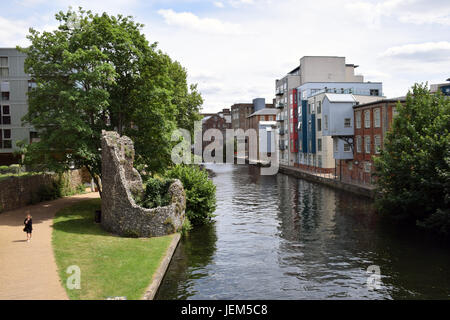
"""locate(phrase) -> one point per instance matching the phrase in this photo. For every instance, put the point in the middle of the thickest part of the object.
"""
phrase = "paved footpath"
(28, 270)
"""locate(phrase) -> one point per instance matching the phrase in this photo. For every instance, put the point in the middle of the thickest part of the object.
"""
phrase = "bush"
(200, 192)
(12, 169)
(156, 193)
(48, 192)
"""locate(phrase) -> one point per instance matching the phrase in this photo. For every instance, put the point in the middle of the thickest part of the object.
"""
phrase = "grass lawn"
(111, 266)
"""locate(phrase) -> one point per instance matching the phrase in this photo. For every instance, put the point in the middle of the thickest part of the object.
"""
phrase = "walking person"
(28, 222)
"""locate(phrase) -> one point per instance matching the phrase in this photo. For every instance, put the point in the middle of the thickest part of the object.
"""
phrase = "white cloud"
(406, 11)
(13, 32)
(219, 4)
(427, 51)
(204, 25)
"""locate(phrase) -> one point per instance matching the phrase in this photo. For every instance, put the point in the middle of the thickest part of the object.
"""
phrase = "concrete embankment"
(356, 189)
(162, 269)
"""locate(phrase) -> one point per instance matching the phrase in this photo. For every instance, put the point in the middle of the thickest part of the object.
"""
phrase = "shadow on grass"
(79, 219)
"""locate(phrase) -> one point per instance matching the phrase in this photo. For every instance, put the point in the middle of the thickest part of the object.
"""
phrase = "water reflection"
(277, 237)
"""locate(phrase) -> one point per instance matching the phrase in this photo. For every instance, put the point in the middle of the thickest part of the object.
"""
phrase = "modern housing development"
(14, 86)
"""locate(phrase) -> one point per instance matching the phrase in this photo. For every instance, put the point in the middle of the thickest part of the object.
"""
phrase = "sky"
(236, 49)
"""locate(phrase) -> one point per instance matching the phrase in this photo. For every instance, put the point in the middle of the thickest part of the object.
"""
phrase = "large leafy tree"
(414, 168)
(98, 72)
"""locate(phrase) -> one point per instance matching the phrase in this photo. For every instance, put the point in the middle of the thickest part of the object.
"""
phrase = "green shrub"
(156, 193)
(200, 192)
(12, 169)
(49, 192)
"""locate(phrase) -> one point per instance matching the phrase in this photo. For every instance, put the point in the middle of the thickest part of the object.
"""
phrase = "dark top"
(28, 225)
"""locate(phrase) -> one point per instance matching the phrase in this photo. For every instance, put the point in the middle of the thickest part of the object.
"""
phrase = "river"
(279, 237)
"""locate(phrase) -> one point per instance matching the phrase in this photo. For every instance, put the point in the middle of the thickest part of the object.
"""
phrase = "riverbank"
(366, 191)
(111, 267)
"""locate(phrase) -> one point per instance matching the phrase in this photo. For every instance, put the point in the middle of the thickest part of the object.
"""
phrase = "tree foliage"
(98, 72)
(414, 168)
(200, 192)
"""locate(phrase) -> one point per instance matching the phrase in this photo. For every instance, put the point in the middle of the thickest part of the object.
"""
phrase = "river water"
(278, 237)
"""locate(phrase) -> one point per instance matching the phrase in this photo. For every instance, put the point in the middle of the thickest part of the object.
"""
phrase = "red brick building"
(220, 121)
(372, 121)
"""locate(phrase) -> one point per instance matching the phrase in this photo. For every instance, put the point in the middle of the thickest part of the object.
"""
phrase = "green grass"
(18, 175)
(111, 266)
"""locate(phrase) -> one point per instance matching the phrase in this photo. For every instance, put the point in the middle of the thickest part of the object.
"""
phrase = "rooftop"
(398, 99)
(265, 111)
(339, 97)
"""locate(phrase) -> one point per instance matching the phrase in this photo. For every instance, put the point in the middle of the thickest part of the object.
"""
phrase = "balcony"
(279, 92)
(282, 145)
(281, 131)
(280, 118)
(280, 105)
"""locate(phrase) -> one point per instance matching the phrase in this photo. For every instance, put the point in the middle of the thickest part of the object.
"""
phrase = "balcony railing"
(280, 117)
(282, 131)
(280, 105)
(282, 145)
(279, 92)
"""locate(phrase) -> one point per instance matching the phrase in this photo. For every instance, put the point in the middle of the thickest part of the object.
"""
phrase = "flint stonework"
(121, 184)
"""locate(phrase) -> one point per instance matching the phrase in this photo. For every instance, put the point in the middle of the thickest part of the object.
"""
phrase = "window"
(347, 147)
(347, 123)
(367, 119)
(358, 119)
(5, 110)
(319, 125)
(5, 139)
(336, 145)
(350, 166)
(4, 70)
(377, 142)
(374, 92)
(5, 96)
(367, 167)
(377, 118)
(367, 144)
(319, 161)
(326, 121)
(313, 109)
(319, 144)
(358, 143)
(319, 107)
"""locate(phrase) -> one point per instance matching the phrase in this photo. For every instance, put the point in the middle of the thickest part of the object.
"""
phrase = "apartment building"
(325, 80)
(444, 88)
(371, 122)
(285, 125)
(314, 73)
(14, 86)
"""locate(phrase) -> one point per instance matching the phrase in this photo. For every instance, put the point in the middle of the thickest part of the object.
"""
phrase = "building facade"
(14, 86)
(284, 104)
(371, 122)
(265, 126)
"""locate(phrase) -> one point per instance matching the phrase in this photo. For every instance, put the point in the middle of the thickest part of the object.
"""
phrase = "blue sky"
(235, 49)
